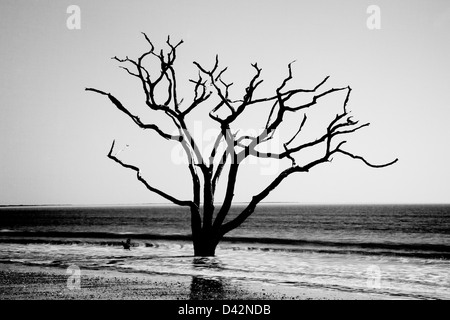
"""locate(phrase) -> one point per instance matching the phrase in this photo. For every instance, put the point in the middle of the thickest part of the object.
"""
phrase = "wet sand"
(20, 282)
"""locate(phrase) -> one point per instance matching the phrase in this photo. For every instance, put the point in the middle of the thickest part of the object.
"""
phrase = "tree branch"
(213, 80)
(232, 175)
(365, 161)
(236, 222)
(332, 131)
(219, 169)
(149, 187)
(198, 98)
(135, 119)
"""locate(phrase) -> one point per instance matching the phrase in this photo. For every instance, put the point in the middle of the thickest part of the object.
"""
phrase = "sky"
(54, 136)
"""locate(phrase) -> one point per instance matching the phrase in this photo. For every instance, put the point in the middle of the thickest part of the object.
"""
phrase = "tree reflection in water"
(204, 287)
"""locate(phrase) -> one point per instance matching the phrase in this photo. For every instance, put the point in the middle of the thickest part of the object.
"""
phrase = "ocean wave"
(437, 251)
(93, 235)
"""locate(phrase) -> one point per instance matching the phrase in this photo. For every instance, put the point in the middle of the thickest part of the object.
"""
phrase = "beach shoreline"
(23, 282)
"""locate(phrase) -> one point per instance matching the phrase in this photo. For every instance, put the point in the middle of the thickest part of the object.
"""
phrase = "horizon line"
(236, 203)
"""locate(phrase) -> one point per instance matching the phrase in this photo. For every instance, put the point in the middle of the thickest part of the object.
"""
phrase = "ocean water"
(400, 251)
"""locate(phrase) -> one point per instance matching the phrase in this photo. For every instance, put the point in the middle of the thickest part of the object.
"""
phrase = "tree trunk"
(205, 246)
(205, 242)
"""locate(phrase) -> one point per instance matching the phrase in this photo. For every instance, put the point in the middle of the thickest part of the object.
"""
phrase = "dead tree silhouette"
(208, 226)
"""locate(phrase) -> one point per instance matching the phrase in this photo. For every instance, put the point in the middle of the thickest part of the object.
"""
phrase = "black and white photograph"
(212, 151)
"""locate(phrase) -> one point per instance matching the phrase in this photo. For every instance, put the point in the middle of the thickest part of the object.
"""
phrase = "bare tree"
(209, 225)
